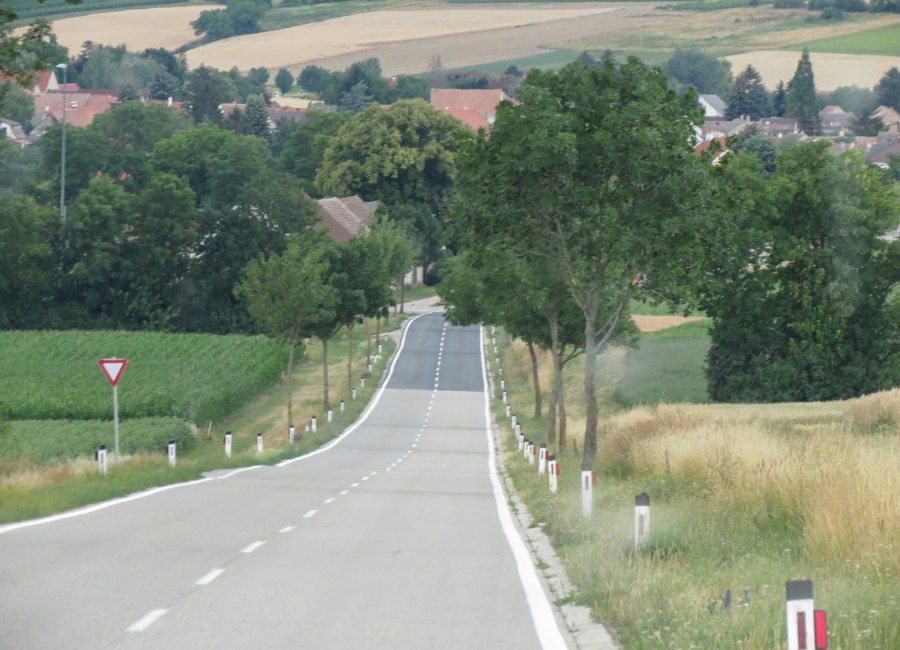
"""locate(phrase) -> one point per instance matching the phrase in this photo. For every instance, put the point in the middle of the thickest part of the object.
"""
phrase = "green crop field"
(48, 441)
(31, 9)
(884, 41)
(196, 377)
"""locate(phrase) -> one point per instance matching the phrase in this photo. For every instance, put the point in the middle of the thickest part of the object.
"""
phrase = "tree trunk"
(553, 322)
(402, 292)
(290, 392)
(590, 381)
(561, 407)
(325, 373)
(349, 357)
(377, 329)
(536, 381)
(368, 342)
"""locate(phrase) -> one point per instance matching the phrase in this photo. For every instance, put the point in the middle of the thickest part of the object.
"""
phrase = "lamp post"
(62, 174)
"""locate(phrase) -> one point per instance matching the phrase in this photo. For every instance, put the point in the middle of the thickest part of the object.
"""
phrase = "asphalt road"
(396, 537)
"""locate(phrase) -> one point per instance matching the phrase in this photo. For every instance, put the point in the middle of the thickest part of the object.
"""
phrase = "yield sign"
(113, 368)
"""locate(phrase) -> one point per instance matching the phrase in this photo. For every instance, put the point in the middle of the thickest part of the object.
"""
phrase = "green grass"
(667, 367)
(197, 377)
(282, 17)
(47, 441)
(883, 41)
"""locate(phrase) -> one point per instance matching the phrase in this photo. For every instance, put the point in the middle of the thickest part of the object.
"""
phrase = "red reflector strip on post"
(801, 631)
(821, 630)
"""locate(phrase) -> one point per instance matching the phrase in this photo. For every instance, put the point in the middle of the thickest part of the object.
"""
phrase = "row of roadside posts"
(806, 626)
(113, 368)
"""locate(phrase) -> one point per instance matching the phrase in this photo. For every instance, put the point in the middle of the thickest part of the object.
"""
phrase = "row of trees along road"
(588, 192)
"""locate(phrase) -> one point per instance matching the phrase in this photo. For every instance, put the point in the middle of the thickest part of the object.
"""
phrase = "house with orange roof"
(476, 108)
(81, 107)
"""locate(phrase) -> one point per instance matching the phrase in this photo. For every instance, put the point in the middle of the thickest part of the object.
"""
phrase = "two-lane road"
(395, 537)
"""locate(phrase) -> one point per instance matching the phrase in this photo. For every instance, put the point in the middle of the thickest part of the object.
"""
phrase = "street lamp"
(62, 174)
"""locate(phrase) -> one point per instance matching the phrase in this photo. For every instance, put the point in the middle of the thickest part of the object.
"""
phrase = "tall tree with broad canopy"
(403, 156)
(593, 170)
(705, 73)
(812, 312)
(288, 296)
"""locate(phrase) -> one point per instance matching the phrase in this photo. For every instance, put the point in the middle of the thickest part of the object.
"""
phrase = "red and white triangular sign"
(113, 368)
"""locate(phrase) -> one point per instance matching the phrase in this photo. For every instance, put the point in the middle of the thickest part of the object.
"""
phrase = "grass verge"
(30, 489)
(743, 498)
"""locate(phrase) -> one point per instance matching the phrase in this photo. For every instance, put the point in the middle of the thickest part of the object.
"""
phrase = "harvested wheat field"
(830, 70)
(656, 323)
(167, 27)
(405, 40)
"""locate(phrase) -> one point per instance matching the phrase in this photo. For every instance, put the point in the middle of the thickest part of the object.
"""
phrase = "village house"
(476, 108)
(345, 217)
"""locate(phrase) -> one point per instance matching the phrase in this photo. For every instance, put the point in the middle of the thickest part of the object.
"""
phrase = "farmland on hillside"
(197, 377)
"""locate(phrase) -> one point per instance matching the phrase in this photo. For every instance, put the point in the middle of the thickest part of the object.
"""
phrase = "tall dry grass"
(836, 481)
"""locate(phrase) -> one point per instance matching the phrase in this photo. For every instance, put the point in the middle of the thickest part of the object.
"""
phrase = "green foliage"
(749, 96)
(801, 101)
(256, 119)
(802, 305)
(888, 89)
(239, 17)
(853, 99)
(884, 41)
(51, 375)
(357, 98)
(284, 80)
(403, 154)
(209, 88)
(314, 79)
(707, 74)
(305, 150)
(16, 104)
(47, 441)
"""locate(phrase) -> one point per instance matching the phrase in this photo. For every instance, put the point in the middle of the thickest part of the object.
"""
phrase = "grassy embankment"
(189, 387)
(743, 498)
(882, 41)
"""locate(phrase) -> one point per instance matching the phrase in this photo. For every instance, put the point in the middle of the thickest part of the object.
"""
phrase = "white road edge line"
(209, 577)
(541, 612)
(6, 528)
(251, 547)
(147, 620)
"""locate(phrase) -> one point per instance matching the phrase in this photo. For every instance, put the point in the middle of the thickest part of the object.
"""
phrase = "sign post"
(113, 369)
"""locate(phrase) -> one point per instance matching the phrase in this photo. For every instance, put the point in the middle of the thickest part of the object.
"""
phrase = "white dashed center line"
(310, 514)
(286, 529)
(209, 577)
(147, 620)
(251, 547)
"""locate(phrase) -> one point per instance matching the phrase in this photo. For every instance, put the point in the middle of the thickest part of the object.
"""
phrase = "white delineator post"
(312, 424)
(291, 431)
(362, 382)
(227, 442)
(526, 444)
(259, 443)
(353, 393)
(100, 455)
(806, 627)
(504, 397)
(329, 415)
(379, 348)
(587, 487)
(532, 452)
(641, 519)
(342, 406)
(170, 452)
(542, 459)
(508, 410)
(520, 438)
(551, 471)
(514, 422)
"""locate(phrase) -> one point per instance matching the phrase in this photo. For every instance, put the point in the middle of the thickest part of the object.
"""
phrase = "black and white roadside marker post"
(312, 424)
(353, 393)
(170, 452)
(100, 455)
(291, 431)
(513, 421)
(508, 409)
(113, 369)
(504, 397)
(227, 442)
(587, 487)
(641, 519)
(259, 443)
(329, 415)
(542, 459)
(807, 627)
(342, 406)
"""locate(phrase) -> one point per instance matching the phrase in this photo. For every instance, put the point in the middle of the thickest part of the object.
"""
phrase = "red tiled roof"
(81, 107)
(475, 107)
(344, 217)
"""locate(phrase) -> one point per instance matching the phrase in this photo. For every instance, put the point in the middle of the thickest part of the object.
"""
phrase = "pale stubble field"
(405, 39)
